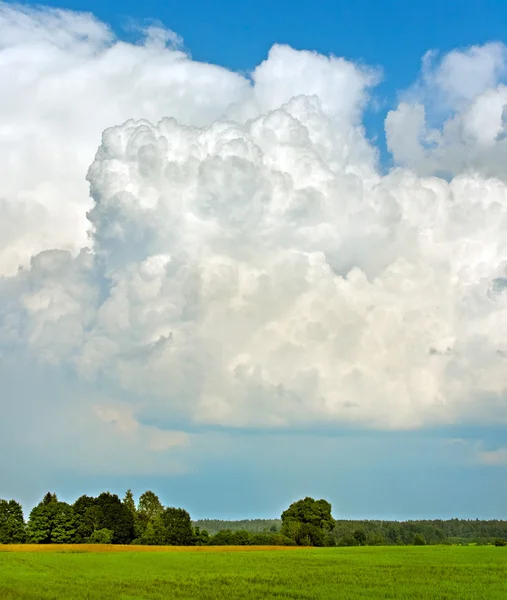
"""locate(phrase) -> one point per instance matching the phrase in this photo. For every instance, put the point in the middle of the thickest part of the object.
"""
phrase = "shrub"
(101, 536)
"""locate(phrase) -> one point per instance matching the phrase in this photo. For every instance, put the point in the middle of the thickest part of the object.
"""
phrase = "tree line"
(107, 519)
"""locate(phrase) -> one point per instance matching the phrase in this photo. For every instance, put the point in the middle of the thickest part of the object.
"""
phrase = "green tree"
(51, 522)
(101, 536)
(88, 517)
(200, 537)
(224, 537)
(63, 526)
(375, 538)
(148, 524)
(40, 522)
(12, 523)
(360, 536)
(176, 527)
(242, 538)
(129, 503)
(419, 540)
(150, 505)
(307, 521)
(117, 517)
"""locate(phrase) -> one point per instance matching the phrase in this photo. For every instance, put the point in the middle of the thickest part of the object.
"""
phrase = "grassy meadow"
(195, 573)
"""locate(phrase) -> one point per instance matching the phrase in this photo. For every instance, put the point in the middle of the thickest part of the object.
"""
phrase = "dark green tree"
(360, 536)
(117, 517)
(307, 521)
(51, 522)
(129, 503)
(88, 517)
(63, 530)
(200, 537)
(224, 537)
(12, 523)
(176, 527)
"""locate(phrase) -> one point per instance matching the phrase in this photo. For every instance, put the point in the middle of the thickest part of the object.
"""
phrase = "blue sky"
(424, 440)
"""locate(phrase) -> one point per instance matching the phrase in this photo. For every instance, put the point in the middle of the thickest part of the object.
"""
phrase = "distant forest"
(107, 519)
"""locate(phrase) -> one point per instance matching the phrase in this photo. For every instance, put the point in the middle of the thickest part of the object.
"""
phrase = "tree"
(63, 530)
(307, 521)
(88, 517)
(148, 526)
(375, 538)
(224, 537)
(419, 540)
(360, 536)
(117, 517)
(51, 522)
(176, 527)
(200, 537)
(12, 523)
(129, 503)
(149, 505)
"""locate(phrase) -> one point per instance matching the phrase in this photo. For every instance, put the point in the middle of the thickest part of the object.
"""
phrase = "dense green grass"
(436, 573)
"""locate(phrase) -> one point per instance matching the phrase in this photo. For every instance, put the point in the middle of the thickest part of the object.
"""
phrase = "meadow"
(127, 573)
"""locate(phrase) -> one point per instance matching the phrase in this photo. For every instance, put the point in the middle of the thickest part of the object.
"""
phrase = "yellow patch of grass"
(119, 548)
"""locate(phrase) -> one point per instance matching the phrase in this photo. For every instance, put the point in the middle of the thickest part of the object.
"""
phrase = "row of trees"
(308, 522)
(104, 519)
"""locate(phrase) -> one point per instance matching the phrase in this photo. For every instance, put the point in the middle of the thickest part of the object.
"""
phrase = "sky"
(251, 252)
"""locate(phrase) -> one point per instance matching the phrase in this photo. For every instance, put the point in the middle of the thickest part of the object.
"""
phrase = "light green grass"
(405, 573)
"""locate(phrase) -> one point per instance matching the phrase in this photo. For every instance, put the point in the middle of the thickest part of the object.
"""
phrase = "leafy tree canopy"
(12, 524)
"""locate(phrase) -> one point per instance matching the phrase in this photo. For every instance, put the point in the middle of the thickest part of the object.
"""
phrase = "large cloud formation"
(242, 260)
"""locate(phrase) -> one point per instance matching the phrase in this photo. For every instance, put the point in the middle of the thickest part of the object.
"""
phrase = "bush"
(101, 536)
(419, 540)
(500, 542)
(347, 540)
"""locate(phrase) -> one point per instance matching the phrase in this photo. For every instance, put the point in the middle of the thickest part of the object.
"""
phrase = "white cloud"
(247, 265)
(454, 119)
(68, 78)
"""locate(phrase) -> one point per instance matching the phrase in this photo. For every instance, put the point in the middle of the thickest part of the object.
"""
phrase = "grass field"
(422, 573)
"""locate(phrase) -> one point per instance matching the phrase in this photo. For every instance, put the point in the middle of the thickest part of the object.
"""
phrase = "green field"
(431, 572)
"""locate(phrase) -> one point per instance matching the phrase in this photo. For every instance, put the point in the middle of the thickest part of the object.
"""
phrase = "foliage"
(101, 536)
(307, 521)
(252, 525)
(63, 529)
(200, 537)
(147, 524)
(117, 517)
(12, 523)
(51, 522)
(176, 527)
(130, 503)
(87, 516)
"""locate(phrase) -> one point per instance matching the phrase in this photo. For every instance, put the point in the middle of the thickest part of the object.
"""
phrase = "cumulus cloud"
(241, 261)
(68, 78)
(454, 119)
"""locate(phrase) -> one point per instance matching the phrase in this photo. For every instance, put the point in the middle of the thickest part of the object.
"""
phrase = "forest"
(107, 519)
